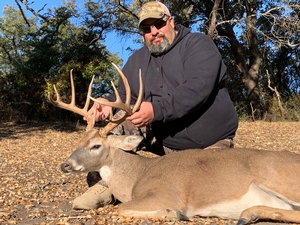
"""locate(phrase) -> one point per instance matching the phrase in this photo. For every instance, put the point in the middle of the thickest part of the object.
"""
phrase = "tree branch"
(22, 12)
(34, 12)
(213, 18)
(277, 95)
(287, 25)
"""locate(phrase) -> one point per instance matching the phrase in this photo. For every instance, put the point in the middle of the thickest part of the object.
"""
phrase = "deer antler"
(72, 107)
(115, 121)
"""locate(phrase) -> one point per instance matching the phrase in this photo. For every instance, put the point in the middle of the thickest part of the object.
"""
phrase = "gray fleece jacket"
(187, 88)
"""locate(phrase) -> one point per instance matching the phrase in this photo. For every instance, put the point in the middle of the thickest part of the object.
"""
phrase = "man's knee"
(224, 143)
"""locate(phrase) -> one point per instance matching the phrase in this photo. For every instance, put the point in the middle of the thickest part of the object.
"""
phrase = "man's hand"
(102, 111)
(144, 116)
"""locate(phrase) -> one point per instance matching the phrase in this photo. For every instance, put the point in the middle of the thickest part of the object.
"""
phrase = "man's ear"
(130, 142)
(172, 22)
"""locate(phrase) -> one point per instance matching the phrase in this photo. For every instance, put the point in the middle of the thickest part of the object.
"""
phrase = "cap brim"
(153, 15)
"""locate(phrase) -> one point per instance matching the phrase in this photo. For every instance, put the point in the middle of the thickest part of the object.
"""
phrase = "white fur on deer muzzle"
(71, 166)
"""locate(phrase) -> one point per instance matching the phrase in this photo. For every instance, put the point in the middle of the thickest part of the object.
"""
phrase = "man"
(186, 100)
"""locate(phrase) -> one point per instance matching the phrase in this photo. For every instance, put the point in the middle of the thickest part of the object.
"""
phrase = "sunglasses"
(158, 24)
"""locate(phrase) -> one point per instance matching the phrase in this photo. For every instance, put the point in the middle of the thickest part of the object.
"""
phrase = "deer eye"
(95, 147)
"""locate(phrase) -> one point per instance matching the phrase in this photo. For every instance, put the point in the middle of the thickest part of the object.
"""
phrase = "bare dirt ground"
(34, 191)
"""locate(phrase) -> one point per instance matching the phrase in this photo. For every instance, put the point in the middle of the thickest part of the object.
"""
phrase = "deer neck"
(123, 173)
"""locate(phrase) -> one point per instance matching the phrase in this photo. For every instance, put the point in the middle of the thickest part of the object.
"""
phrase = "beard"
(157, 49)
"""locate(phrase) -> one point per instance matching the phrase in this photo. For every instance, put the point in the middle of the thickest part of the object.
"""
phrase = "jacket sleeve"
(203, 70)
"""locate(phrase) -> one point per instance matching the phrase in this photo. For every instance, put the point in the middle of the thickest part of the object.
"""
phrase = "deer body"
(239, 184)
(215, 182)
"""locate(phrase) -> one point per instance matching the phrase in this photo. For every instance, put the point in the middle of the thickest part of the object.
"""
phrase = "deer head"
(96, 142)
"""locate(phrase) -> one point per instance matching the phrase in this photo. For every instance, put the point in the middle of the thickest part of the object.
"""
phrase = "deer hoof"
(242, 221)
(181, 216)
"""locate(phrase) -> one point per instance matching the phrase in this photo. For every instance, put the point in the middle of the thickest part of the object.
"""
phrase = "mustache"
(159, 35)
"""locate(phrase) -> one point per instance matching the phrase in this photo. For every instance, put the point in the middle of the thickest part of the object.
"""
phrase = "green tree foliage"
(40, 50)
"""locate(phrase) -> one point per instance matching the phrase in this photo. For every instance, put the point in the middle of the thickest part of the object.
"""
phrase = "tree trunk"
(247, 64)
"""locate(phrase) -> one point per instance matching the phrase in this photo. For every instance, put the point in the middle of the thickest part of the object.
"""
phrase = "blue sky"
(113, 42)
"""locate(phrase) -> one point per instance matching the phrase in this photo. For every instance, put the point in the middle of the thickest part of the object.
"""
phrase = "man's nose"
(154, 30)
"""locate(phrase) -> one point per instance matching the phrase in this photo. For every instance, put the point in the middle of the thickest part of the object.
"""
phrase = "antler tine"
(118, 103)
(133, 109)
(126, 85)
(140, 96)
(72, 105)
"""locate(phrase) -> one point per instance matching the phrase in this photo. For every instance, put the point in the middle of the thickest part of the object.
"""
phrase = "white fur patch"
(76, 167)
(105, 173)
(232, 209)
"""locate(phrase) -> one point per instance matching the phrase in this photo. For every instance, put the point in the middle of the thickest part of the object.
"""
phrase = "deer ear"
(130, 143)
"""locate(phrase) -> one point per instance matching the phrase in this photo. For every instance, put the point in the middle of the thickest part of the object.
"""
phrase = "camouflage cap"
(152, 9)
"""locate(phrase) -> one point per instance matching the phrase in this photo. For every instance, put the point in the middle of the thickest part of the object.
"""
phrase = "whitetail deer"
(243, 184)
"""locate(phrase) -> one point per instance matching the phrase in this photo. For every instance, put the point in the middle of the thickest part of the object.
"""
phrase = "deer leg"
(95, 197)
(264, 212)
(147, 207)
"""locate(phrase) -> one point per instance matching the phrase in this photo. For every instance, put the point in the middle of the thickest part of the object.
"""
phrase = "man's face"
(159, 34)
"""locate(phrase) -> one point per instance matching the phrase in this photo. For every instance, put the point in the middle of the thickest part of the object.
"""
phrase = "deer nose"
(65, 167)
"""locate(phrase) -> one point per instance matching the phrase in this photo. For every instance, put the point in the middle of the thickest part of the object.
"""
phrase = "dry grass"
(269, 136)
(34, 191)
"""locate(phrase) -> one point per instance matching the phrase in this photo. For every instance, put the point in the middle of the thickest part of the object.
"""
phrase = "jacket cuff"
(157, 109)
